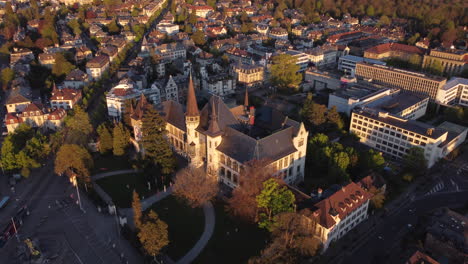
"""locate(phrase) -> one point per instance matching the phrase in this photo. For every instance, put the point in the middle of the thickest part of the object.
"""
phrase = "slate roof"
(224, 115)
(173, 113)
(243, 148)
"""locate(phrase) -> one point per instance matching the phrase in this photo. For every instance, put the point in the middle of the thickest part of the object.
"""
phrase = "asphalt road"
(390, 232)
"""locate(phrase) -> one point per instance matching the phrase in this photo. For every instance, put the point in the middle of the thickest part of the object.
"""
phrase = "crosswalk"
(439, 186)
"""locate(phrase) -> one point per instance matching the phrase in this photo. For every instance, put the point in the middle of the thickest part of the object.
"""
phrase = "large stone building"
(394, 135)
(222, 139)
(339, 211)
(393, 50)
(396, 78)
(454, 61)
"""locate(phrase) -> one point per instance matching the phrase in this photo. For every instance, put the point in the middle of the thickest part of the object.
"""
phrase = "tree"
(454, 114)
(385, 20)
(370, 11)
(334, 119)
(79, 127)
(137, 212)
(415, 61)
(156, 148)
(7, 76)
(153, 234)
(435, 68)
(120, 140)
(105, 139)
(378, 197)
(284, 72)
(272, 200)
(74, 159)
(371, 160)
(113, 28)
(62, 66)
(293, 236)
(8, 158)
(243, 203)
(192, 18)
(199, 38)
(413, 39)
(195, 187)
(414, 161)
(75, 26)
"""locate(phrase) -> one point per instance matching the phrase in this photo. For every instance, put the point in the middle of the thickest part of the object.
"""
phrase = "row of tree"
(318, 118)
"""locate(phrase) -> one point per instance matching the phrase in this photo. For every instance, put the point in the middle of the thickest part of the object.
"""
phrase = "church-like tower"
(192, 121)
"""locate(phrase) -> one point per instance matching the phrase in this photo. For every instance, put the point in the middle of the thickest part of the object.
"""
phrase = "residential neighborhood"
(245, 131)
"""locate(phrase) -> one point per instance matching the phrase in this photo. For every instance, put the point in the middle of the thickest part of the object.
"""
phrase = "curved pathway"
(208, 211)
(112, 173)
(205, 237)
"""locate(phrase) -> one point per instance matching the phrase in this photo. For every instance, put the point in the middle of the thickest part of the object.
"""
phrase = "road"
(445, 186)
(389, 233)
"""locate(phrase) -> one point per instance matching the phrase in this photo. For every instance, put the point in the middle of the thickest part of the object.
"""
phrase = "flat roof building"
(409, 106)
(410, 81)
(454, 92)
(347, 63)
(395, 135)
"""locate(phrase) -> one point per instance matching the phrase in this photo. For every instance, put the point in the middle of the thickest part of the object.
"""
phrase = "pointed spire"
(54, 88)
(213, 126)
(192, 107)
(246, 98)
(143, 100)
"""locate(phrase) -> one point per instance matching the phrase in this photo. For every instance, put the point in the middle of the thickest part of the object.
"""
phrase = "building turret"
(192, 121)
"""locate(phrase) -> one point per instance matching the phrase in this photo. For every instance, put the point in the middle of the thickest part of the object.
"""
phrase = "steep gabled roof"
(173, 113)
(224, 115)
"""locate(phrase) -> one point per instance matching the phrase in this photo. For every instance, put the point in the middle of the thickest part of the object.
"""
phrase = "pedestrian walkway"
(98, 176)
(439, 186)
(205, 237)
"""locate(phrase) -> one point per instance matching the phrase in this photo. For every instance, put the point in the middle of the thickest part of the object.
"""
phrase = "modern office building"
(347, 63)
(454, 92)
(410, 81)
(409, 106)
(394, 135)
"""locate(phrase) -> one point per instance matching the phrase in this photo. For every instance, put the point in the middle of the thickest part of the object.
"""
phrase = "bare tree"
(195, 187)
(243, 202)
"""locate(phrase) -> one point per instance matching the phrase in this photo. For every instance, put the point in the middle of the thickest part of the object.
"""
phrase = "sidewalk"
(112, 173)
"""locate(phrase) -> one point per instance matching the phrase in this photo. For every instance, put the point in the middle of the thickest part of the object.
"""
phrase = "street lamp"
(75, 183)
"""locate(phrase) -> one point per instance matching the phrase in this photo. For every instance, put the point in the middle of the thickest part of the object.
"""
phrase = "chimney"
(319, 192)
(429, 131)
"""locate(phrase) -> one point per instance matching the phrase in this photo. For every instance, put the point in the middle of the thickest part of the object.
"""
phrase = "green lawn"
(230, 246)
(110, 163)
(185, 225)
(116, 187)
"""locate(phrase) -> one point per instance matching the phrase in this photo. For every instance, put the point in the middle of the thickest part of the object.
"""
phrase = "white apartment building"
(347, 64)
(395, 135)
(171, 51)
(96, 67)
(117, 97)
(455, 91)
(323, 55)
(168, 28)
(220, 85)
(302, 59)
(339, 213)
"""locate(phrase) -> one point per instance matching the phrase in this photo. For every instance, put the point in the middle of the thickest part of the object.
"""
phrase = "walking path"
(98, 176)
(205, 237)
(208, 211)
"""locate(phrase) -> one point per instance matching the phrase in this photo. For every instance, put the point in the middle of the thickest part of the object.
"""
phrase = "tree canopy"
(273, 200)
(153, 234)
(156, 148)
(284, 72)
(74, 159)
(195, 187)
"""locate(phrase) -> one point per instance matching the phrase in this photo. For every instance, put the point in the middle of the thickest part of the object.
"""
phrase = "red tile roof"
(386, 47)
(65, 94)
(342, 202)
(57, 114)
